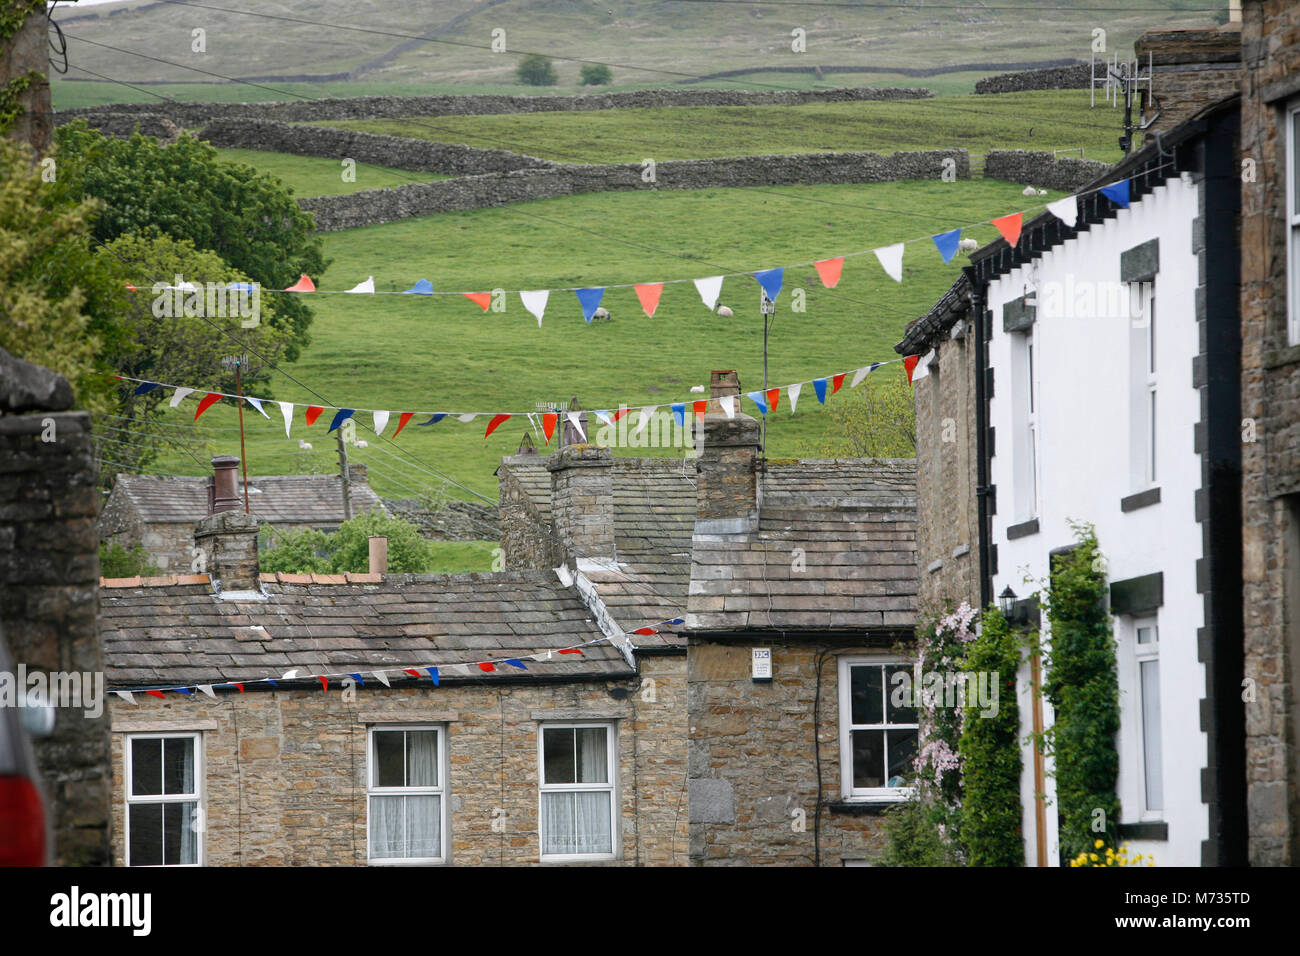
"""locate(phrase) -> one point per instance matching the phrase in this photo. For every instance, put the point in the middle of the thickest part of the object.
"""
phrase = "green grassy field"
(314, 176)
(442, 353)
(1054, 119)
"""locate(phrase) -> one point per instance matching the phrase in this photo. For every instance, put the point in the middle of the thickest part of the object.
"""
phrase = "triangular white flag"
(646, 413)
(604, 417)
(535, 302)
(532, 421)
(1066, 210)
(862, 373)
(126, 695)
(793, 391)
(286, 409)
(381, 422)
(923, 366)
(891, 258)
(382, 678)
(289, 675)
(728, 403)
(179, 396)
(575, 418)
(257, 403)
(467, 417)
(207, 689)
(709, 290)
(368, 286)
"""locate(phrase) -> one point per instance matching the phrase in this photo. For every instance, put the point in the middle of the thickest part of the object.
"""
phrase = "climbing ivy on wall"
(1083, 686)
(11, 21)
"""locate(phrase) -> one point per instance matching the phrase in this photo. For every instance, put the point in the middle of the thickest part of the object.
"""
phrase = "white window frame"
(1147, 296)
(441, 790)
(1146, 654)
(1291, 128)
(196, 738)
(1026, 437)
(847, 790)
(610, 787)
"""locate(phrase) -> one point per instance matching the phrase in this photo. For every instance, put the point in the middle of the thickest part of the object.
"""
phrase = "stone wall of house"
(947, 542)
(527, 538)
(372, 206)
(753, 759)
(1040, 168)
(1190, 68)
(1270, 40)
(194, 115)
(454, 521)
(285, 773)
(49, 597)
(1073, 77)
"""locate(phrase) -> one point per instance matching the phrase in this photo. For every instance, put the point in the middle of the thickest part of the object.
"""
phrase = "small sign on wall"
(761, 663)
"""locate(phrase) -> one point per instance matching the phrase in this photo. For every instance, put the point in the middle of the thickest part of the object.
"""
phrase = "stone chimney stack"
(227, 538)
(582, 502)
(1190, 70)
(727, 492)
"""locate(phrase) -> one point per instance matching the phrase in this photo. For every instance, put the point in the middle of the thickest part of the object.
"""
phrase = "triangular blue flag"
(357, 678)
(183, 690)
(676, 620)
(590, 301)
(946, 243)
(770, 280)
(874, 366)
(241, 286)
(423, 287)
(343, 415)
(516, 662)
(679, 409)
(820, 385)
(757, 399)
(271, 682)
(1117, 193)
(433, 675)
(145, 387)
(435, 418)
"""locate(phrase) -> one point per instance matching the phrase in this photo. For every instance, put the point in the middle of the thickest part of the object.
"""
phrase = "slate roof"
(854, 522)
(654, 518)
(291, 499)
(160, 633)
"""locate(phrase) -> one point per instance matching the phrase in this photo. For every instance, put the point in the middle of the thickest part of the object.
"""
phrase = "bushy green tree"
(60, 299)
(348, 549)
(536, 70)
(185, 191)
(116, 561)
(875, 420)
(596, 74)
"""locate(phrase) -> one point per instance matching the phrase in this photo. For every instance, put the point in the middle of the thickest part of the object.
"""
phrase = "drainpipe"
(981, 439)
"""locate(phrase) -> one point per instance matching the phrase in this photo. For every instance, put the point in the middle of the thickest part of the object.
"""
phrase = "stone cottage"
(480, 719)
(159, 511)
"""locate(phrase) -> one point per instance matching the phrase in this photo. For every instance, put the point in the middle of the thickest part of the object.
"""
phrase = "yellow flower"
(1097, 845)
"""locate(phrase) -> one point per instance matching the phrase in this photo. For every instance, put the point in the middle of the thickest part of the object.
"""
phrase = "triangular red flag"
(481, 299)
(155, 693)
(837, 381)
(645, 630)
(209, 400)
(570, 650)
(496, 420)
(909, 363)
(401, 422)
(1009, 226)
(324, 682)
(829, 270)
(304, 284)
(620, 413)
(412, 671)
(312, 413)
(649, 293)
(548, 424)
(239, 685)
(487, 666)
(701, 406)
(773, 397)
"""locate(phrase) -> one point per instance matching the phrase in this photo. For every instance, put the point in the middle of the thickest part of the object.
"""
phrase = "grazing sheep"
(600, 313)
(1029, 191)
(1042, 192)
(725, 312)
(697, 388)
(304, 445)
(361, 443)
(967, 246)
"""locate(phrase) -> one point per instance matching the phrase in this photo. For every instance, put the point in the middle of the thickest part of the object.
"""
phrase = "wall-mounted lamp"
(1007, 601)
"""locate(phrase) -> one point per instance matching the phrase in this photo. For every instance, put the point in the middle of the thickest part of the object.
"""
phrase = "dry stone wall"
(1040, 168)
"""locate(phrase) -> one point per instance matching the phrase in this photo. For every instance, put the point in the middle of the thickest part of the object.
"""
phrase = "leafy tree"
(596, 74)
(878, 421)
(165, 344)
(183, 190)
(536, 70)
(60, 300)
(116, 561)
(348, 549)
